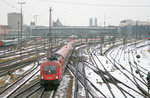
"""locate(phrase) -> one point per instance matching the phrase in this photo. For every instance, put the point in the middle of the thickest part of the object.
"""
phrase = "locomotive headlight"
(56, 77)
(41, 77)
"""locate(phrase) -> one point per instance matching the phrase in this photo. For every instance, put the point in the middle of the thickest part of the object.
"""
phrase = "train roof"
(9, 40)
(55, 57)
(65, 48)
(61, 52)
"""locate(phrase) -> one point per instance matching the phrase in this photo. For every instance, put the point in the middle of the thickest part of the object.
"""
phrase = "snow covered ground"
(124, 68)
(121, 63)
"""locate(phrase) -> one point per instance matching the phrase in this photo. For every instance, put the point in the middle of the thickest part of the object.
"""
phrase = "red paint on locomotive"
(51, 71)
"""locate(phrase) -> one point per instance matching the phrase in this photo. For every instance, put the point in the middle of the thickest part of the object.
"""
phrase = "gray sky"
(78, 12)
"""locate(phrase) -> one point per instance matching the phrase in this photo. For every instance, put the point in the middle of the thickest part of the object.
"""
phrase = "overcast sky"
(78, 12)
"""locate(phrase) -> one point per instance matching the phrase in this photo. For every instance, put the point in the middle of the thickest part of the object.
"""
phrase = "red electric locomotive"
(51, 71)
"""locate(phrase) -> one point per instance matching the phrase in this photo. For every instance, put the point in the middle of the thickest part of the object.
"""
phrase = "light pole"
(109, 30)
(104, 23)
(35, 16)
(50, 30)
(21, 3)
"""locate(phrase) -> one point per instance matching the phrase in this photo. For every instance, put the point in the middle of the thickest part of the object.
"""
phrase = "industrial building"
(134, 29)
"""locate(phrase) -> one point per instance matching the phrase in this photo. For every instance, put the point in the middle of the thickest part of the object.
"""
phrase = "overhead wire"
(9, 4)
(78, 3)
(105, 5)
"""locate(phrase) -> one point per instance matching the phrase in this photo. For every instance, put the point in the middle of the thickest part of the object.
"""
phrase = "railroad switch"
(100, 83)
(10, 74)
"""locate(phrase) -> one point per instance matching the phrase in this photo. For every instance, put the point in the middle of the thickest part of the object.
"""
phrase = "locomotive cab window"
(49, 69)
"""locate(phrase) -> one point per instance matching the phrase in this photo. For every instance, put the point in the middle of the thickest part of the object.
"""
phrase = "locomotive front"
(49, 73)
(52, 70)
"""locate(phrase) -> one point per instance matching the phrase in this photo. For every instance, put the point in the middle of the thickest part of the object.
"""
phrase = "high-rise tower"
(13, 19)
(95, 21)
(90, 22)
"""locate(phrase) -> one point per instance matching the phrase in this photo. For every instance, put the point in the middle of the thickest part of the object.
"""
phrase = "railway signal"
(106, 61)
(138, 56)
(148, 80)
(137, 71)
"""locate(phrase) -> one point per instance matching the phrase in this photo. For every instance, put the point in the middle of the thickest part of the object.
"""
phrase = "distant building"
(32, 23)
(131, 22)
(14, 19)
(134, 29)
(80, 31)
(95, 21)
(4, 29)
(91, 22)
(57, 23)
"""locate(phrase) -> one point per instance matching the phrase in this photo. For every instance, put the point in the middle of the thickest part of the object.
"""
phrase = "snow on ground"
(144, 60)
(17, 73)
(34, 77)
(24, 69)
(62, 89)
(97, 81)
(42, 53)
(128, 55)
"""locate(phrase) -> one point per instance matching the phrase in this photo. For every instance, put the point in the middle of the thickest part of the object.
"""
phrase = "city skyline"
(77, 13)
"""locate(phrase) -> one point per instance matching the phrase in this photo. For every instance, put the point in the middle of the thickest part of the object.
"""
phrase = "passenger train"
(5, 43)
(51, 71)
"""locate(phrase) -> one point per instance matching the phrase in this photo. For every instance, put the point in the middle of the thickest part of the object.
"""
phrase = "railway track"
(47, 93)
(9, 90)
(34, 47)
(128, 69)
(35, 90)
(12, 89)
(18, 65)
(107, 76)
(82, 82)
(113, 81)
(90, 66)
(24, 51)
(28, 91)
(15, 59)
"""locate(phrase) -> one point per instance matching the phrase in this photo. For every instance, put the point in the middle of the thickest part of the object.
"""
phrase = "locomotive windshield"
(49, 69)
